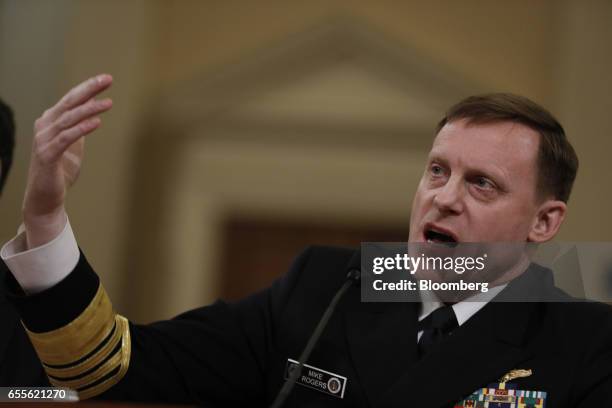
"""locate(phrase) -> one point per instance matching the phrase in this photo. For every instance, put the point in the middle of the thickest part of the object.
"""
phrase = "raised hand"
(57, 154)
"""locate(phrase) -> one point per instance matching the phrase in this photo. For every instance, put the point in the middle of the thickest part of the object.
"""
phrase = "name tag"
(320, 380)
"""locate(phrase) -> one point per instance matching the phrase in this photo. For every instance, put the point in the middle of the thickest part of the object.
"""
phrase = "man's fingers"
(79, 94)
(72, 117)
(55, 148)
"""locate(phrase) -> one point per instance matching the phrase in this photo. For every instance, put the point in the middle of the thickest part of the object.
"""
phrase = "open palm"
(57, 154)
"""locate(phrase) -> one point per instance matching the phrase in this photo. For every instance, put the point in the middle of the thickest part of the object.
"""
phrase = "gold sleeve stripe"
(126, 348)
(89, 354)
(119, 360)
(78, 338)
(90, 362)
(100, 372)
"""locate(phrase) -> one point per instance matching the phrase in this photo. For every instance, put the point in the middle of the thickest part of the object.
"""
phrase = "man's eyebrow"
(436, 157)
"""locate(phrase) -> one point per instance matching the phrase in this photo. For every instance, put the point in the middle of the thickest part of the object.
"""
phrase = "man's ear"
(548, 220)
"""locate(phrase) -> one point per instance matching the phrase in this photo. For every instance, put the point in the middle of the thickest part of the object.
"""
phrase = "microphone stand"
(352, 277)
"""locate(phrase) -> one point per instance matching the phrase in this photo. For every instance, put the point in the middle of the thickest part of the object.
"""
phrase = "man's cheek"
(416, 211)
(422, 201)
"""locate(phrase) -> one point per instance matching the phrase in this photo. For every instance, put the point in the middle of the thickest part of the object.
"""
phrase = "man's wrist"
(42, 267)
(42, 229)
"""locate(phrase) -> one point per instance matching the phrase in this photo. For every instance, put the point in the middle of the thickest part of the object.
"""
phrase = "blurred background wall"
(243, 131)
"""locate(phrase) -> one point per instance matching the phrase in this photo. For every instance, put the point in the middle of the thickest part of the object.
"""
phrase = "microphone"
(353, 277)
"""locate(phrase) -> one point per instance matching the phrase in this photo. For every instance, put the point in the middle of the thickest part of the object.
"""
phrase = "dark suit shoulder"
(314, 276)
(580, 335)
(327, 262)
(318, 277)
(581, 315)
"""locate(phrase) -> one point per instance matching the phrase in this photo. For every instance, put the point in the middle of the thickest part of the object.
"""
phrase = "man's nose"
(449, 198)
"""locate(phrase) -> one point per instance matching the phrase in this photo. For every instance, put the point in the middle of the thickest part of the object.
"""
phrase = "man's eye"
(436, 170)
(484, 183)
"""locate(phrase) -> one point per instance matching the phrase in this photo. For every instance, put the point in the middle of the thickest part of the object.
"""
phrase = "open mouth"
(439, 237)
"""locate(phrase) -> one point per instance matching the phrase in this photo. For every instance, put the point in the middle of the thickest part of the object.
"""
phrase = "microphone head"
(354, 275)
(353, 268)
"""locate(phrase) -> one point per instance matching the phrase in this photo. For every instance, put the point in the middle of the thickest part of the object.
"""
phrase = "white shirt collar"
(464, 309)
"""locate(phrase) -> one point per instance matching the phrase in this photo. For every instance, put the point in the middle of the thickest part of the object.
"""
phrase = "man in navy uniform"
(19, 365)
(500, 170)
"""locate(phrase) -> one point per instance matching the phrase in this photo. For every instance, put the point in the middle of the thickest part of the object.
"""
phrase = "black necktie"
(440, 323)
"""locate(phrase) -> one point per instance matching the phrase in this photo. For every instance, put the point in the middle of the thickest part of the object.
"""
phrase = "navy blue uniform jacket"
(19, 365)
(235, 354)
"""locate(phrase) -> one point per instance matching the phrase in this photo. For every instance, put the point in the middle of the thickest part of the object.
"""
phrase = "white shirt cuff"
(42, 267)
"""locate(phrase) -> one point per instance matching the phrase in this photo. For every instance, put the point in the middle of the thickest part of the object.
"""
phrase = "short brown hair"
(557, 160)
